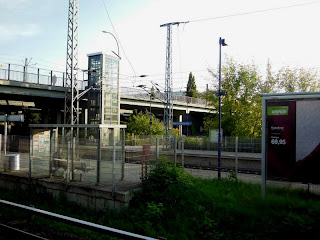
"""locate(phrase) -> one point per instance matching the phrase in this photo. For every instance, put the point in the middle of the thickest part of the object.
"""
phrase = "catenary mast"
(168, 110)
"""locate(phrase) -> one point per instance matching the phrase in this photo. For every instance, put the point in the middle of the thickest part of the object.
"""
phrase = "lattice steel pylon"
(168, 109)
(71, 107)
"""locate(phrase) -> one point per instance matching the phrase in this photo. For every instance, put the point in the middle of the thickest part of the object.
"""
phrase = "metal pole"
(236, 157)
(123, 153)
(73, 157)
(0, 147)
(157, 151)
(182, 152)
(150, 121)
(68, 159)
(8, 71)
(263, 149)
(51, 150)
(75, 222)
(5, 135)
(219, 136)
(113, 166)
(30, 153)
(99, 156)
(175, 150)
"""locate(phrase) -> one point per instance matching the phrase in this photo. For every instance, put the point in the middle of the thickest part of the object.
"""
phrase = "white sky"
(37, 29)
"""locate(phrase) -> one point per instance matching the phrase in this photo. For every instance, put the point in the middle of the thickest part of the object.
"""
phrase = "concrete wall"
(93, 197)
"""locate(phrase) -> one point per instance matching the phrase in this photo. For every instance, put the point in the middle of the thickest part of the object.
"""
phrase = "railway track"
(9, 232)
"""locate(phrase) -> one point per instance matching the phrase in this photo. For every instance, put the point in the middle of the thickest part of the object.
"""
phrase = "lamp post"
(117, 54)
(221, 43)
(118, 80)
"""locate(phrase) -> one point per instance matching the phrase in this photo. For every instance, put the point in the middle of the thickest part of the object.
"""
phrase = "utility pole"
(71, 108)
(168, 110)
(71, 101)
(25, 70)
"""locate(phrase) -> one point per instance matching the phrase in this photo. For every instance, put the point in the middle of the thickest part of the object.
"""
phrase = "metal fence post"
(24, 74)
(132, 140)
(182, 152)
(73, 157)
(0, 147)
(9, 71)
(113, 165)
(5, 135)
(51, 150)
(123, 156)
(68, 159)
(236, 157)
(38, 76)
(175, 150)
(30, 153)
(99, 157)
(157, 151)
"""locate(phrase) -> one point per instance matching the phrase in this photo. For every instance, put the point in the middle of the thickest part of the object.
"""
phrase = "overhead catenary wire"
(253, 12)
(115, 33)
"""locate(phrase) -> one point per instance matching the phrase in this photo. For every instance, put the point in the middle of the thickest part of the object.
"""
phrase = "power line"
(115, 33)
(253, 12)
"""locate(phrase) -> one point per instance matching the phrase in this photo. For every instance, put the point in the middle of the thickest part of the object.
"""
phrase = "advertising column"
(281, 139)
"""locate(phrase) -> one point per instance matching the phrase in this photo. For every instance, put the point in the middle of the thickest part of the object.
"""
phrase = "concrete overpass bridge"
(39, 90)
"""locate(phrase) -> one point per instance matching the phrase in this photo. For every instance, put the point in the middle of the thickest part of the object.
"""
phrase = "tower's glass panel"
(110, 87)
(104, 73)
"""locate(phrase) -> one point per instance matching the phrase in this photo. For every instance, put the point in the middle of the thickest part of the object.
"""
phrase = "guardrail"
(76, 222)
(14, 72)
(140, 93)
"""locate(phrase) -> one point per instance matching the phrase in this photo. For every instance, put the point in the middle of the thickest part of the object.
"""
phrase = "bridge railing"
(14, 72)
(140, 93)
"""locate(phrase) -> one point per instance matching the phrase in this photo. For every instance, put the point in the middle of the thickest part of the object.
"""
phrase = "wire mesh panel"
(40, 152)
(59, 157)
(14, 155)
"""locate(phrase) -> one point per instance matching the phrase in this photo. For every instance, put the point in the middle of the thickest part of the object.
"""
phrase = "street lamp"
(117, 54)
(118, 80)
(221, 43)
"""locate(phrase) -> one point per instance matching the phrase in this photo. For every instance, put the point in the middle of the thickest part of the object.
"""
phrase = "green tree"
(191, 86)
(139, 124)
(297, 80)
(270, 85)
(241, 106)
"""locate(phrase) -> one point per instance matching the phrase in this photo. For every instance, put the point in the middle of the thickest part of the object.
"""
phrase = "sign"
(214, 134)
(182, 123)
(277, 110)
(281, 138)
(12, 118)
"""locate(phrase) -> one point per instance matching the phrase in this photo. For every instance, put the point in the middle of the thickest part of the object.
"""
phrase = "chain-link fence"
(124, 162)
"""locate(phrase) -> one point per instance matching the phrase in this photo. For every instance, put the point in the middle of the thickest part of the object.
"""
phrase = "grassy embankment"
(174, 205)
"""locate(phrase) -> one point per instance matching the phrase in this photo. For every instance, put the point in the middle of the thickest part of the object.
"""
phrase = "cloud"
(11, 32)
(11, 5)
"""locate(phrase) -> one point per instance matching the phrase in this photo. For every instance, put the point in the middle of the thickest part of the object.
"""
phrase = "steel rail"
(76, 222)
(22, 232)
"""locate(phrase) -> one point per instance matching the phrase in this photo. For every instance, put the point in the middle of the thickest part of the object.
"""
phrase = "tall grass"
(174, 205)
